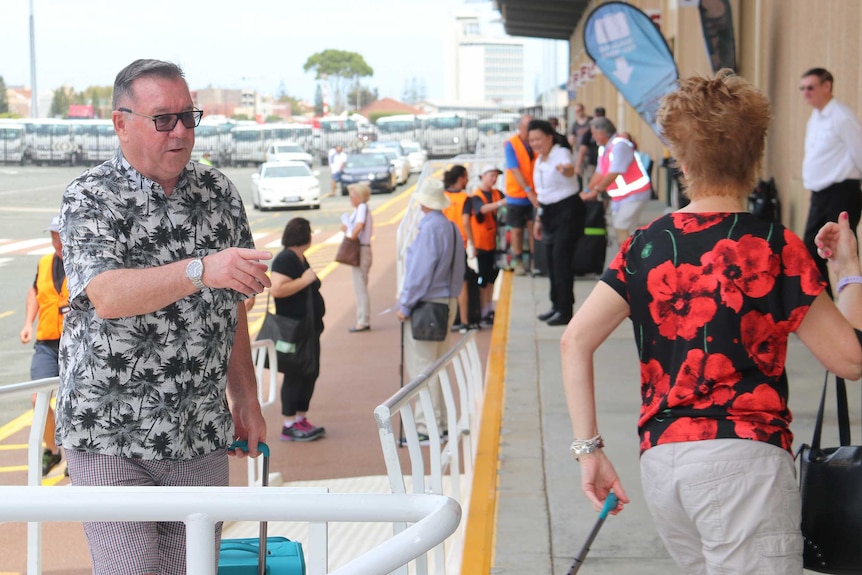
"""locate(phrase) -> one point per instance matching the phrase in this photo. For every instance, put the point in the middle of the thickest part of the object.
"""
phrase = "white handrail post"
(34, 476)
(200, 544)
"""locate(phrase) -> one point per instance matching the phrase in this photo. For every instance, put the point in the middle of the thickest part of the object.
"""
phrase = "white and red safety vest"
(635, 178)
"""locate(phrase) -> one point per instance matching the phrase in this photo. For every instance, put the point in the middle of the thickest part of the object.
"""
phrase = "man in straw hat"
(434, 271)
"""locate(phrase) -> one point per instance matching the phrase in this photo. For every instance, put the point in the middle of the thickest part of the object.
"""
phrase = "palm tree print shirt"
(150, 386)
(713, 300)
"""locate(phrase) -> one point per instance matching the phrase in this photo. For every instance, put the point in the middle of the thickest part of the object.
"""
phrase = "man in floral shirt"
(159, 257)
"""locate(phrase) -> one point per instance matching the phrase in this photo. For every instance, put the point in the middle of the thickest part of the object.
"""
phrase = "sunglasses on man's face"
(167, 122)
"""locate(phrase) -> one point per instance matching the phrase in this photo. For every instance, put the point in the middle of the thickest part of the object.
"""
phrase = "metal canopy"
(554, 19)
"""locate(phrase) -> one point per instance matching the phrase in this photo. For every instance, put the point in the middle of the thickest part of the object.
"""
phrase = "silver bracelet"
(581, 447)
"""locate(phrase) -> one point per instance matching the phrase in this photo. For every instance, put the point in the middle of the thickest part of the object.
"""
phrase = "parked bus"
(213, 138)
(51, 141)
(95, 140)
(12, 145)
(450, 133)
(398, 127)
(336, 131)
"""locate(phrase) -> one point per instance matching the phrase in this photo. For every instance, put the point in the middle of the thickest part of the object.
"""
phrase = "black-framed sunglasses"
(166, 122)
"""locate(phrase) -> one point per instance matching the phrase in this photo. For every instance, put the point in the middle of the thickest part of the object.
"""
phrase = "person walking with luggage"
(713, 294)
(359, 225)
(520, 197)
(47, 300)
(561, 216)
(296, 291)
(480, 224)
(622, 175)
(455, 188)
(156, 373)
(433, 272)
(832, 165)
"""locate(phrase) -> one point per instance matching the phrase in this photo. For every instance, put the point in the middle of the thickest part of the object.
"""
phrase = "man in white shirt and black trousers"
(832, 165)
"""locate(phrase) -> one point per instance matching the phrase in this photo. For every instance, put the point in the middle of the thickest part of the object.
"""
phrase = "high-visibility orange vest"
(50, 301)
(525, 166)
(485, 234)
(456, 209)
(635, 178)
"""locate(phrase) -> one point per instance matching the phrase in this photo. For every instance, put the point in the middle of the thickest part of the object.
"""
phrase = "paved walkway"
(542, 517)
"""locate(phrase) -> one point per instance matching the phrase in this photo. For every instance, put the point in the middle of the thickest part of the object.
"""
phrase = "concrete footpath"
(542, 517)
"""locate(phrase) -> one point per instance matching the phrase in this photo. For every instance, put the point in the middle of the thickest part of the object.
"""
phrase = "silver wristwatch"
(195, 273)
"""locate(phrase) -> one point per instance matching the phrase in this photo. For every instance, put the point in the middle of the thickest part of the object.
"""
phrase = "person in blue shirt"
(434, 271)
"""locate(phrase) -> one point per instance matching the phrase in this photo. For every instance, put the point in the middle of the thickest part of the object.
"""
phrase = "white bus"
(450, 133)
(336, 131)
(12, 145)
(95, 140)
(398, 127)
(51, 141)
(213, 138)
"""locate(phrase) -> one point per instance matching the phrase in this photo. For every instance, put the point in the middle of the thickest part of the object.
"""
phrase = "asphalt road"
(30, 195)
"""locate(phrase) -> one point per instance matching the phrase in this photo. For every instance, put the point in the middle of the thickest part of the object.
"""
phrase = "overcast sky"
(254, 43)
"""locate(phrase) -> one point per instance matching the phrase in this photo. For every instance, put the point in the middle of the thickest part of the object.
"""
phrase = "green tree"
(4, 100)
(360, 96)
(339, 68)
(240, 117)
(97, 96)
(63, 96)
(295, 103)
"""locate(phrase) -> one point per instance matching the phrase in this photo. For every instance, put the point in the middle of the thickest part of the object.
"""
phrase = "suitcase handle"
(263, 448)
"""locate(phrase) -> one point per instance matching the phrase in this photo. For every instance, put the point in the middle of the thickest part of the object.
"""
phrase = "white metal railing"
(433, 517)
(460, 364)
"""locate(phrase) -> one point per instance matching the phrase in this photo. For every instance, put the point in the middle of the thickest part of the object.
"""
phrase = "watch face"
(195, 269)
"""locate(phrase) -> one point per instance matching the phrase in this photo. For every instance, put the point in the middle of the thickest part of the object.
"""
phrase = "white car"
(401, 164)
(416, 155)
(287, 152)
(285, 185)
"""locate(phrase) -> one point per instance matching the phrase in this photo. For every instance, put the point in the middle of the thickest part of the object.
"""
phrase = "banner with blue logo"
(632, 53)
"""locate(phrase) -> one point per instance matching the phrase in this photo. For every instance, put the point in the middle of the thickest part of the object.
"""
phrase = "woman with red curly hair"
(713, 294)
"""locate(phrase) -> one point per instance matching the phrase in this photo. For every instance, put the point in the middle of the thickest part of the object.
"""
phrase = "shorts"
(336, 176)
(626, 213)
(488, 269)
(46, 359)
(518, 216)
(129, 548)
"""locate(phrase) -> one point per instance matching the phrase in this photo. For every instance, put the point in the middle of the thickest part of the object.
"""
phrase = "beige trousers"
(418, 355)
(360, 287)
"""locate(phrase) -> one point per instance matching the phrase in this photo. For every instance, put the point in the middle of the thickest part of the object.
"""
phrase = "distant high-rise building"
(481, 68)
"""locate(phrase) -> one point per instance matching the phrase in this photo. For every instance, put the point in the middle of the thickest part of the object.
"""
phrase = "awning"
(554, 19)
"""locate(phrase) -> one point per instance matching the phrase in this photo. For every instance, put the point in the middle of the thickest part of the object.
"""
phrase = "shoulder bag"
(348, 252)
(429, 321)
(292, 339)
(830, 483)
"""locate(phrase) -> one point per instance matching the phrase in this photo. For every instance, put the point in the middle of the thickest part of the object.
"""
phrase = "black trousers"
(296, 388)
(562, 227)
(825, 207)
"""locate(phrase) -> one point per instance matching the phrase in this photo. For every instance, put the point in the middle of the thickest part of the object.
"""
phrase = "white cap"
(54, 225)
(490, 168)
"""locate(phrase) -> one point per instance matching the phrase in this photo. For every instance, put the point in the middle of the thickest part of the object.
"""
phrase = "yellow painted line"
(481, 522)
(396, 218)
(2, 315)
(13, 447)
(17, 424)
(12, 468)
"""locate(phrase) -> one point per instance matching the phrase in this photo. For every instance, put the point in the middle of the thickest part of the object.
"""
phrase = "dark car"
(373, 168)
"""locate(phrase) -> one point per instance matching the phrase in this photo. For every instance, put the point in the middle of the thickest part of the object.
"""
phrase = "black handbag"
(429, 321)
(293, 340)
(830, 483)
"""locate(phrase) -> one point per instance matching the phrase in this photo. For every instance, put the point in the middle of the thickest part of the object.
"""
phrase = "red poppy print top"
(713, 299)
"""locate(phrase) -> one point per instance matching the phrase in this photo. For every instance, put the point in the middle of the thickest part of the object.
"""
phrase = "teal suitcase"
(243, 556)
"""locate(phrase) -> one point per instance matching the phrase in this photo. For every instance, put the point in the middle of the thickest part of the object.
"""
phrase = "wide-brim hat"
(54, 225)
(490, 168)
(430, 194)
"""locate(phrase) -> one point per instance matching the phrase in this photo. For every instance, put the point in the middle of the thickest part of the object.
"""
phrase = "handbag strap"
(843, 413)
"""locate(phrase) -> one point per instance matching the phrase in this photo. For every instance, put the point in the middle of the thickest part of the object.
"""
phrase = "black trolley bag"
(590, 251)
(262, 555)
(830, 484)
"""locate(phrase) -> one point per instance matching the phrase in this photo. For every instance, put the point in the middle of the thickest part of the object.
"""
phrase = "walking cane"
(610, 503)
